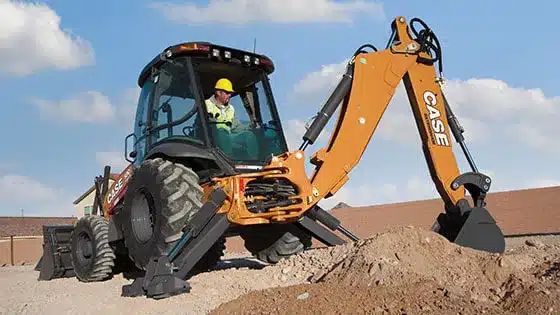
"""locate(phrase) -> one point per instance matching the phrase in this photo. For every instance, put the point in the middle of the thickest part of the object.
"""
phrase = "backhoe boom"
(364, 93)
(375, 77)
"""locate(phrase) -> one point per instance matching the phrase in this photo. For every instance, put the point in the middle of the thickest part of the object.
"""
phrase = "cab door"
(141, 122)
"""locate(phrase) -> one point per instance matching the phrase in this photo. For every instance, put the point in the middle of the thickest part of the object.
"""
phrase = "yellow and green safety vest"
(224, 117)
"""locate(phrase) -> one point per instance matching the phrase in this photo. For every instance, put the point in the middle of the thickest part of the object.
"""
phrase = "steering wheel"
(191, 131)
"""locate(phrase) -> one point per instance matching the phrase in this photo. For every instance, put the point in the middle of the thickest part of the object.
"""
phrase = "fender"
(118, 189)
(181, 150)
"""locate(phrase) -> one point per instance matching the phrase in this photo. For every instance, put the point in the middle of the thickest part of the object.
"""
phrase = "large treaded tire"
(271, 243)
(162, 197)
(92, 256)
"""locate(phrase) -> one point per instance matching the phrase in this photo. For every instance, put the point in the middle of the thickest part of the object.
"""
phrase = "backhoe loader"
(184, 191)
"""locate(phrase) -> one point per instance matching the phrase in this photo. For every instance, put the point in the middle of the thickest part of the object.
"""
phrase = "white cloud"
(506, 113)
(269, 11)
(538, 135)
(13, 186)
(126, 110)
(319, 82)
(90, 106)
(420, 189)
(496, 100)
(361, 195)
(31, 39)
(112, 158)
(36, 198)
(295, 129)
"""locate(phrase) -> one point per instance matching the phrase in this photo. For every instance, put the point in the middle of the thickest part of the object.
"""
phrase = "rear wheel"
(271, 243)
(92, 256)
(161, 199)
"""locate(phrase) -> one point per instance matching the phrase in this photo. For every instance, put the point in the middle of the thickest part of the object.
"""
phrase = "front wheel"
(92, 256)
(161, 199)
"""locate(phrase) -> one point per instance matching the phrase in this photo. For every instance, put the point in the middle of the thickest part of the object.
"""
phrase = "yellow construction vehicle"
(199, 173)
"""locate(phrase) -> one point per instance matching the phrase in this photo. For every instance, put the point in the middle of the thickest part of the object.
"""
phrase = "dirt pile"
(407, 270)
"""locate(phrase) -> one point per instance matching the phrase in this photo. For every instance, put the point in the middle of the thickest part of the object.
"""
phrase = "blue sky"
(68, 73)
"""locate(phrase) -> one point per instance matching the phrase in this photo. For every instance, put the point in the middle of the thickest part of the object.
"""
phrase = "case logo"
(438, 135)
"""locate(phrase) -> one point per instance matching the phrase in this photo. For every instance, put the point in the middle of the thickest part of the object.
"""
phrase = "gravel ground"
(238, 275)
(25, 295)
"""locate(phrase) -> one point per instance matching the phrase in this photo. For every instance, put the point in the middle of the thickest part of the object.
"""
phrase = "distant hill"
(534, 210)
(341, 205)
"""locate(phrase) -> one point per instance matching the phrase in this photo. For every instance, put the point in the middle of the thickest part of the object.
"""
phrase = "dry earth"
(412, 271)
(405, 270)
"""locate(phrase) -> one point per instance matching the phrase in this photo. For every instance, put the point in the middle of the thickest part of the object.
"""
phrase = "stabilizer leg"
(318, 231)
(165, 275)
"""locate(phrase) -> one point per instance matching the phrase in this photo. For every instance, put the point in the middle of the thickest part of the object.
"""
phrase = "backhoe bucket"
(56, 261)
(478, 231)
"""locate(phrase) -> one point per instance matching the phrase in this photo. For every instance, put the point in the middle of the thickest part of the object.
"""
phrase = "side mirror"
(132, 154)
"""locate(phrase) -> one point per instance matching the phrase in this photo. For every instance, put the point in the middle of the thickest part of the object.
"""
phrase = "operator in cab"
(229, 131)
(219, 108)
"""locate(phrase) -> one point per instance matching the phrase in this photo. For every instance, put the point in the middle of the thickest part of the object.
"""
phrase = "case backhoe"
(184, 192)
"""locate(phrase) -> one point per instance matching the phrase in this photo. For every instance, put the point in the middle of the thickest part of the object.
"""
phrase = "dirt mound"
(410, 255)
(405, 270)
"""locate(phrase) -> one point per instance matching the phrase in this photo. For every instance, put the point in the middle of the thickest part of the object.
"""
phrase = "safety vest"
(224, 117)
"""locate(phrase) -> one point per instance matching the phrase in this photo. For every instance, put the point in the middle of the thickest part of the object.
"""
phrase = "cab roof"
(213, 52)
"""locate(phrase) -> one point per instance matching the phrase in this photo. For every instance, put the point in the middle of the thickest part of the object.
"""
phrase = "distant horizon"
(347, 203)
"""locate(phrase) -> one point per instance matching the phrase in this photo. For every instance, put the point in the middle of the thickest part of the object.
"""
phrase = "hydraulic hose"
(427, 40)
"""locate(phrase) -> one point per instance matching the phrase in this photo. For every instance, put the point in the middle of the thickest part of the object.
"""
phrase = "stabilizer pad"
(165, 286)
(158, 282)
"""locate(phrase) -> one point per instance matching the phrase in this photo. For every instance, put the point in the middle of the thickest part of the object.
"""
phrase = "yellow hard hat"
(224, 84)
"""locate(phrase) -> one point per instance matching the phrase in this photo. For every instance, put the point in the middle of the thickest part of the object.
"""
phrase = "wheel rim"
(84, 249)
(142, 217)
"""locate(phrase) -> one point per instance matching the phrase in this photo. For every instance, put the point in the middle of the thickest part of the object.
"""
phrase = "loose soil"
(406, 270)
(411, 271)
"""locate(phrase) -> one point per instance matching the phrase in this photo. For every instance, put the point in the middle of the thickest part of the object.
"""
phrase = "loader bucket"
(478, 231)
(56, 261)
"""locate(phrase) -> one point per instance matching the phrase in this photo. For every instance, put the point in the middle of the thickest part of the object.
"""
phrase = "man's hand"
(237, 126)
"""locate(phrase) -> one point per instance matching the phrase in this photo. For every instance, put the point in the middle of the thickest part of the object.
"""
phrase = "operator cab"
(172, 109)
